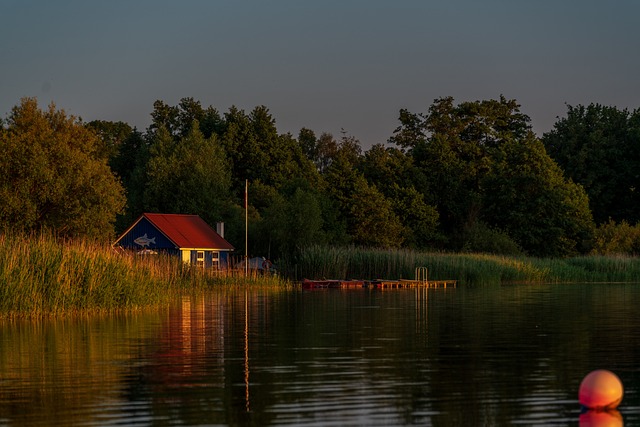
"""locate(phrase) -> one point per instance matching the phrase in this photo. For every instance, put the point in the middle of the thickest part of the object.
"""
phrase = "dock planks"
(376, 284)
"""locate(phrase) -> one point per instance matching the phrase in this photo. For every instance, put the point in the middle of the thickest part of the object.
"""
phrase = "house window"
(215, 259)
(200, 259)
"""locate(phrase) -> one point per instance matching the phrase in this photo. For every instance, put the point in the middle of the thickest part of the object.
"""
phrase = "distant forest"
(462, 177)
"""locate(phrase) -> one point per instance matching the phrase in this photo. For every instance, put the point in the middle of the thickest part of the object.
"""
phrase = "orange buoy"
(601, 390)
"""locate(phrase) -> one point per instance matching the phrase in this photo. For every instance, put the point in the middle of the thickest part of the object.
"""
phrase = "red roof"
(188, 231)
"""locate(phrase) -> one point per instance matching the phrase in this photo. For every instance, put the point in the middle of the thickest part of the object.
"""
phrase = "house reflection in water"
(191, 347)
(193, 354)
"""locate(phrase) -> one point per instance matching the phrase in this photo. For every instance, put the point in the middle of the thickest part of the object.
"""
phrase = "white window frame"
(215, 259)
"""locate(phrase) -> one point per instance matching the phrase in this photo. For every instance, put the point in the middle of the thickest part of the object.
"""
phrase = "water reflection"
(55, 372)
(505, 355)
(611, 418)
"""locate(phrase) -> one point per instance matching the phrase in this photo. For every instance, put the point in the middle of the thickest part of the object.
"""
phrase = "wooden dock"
(406, 283)
(376, 284)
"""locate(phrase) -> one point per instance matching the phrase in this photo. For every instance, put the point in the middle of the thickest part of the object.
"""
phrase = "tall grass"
(42, 275)
(595, 268)
(316, 262)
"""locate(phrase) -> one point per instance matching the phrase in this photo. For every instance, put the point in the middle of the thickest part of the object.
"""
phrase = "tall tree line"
(470, 176)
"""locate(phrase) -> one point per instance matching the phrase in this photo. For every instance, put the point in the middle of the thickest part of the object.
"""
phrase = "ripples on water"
(497, 356)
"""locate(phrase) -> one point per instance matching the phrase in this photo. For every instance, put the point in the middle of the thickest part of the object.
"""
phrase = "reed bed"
(40, 275)
(595, 268)
(324, 262)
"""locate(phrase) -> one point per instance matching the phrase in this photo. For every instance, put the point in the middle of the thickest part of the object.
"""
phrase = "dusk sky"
(325, 65)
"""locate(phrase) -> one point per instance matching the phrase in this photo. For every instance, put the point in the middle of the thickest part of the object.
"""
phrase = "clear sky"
(326, 65)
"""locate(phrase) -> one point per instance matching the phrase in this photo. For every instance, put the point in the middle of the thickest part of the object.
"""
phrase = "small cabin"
(186, 236)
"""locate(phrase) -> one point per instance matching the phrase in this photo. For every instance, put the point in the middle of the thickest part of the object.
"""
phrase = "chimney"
(220, 229)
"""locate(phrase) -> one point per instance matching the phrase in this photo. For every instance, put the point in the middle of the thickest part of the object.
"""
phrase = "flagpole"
(246, 227)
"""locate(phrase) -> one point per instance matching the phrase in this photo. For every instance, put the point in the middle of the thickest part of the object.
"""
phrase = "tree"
(188, 176)
(130, 164)
(112, 135)
(258, 153)
(371, 219)
(599, 148)
(54, 175)
(308, 143)
(292, 221)
(127, 152)
(482, 165)
(419, 219)
(452, 187)
(394, 174)
(387, 167)
(528, 197)
(367, 212)
(177, 120)
(453, 145)
(325, 151)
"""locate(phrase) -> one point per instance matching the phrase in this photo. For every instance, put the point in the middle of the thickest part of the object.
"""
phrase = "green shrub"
(484, 239)
(611, 238)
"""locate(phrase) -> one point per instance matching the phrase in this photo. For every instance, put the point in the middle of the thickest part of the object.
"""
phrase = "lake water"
(503, 355)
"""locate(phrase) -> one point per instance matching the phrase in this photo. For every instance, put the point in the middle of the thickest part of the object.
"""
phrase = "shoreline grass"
(40, 275)
(317, 262)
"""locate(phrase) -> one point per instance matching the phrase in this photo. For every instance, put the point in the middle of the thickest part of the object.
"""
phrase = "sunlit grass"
(41, 275)
(317, 262)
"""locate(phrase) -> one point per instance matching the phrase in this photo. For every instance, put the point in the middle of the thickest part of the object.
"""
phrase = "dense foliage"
(467, 177)
(598, 147)
(54, 175)
(485, 169)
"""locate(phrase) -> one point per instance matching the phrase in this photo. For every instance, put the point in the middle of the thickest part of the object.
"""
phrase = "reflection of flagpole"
(246, 351)
(246, 227)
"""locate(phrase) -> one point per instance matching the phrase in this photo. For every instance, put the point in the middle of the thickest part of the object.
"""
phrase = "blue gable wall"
(155, 239)
(144, 235)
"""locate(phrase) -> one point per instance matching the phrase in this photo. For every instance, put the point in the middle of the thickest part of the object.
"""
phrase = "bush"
(483, 238)
(617, 239)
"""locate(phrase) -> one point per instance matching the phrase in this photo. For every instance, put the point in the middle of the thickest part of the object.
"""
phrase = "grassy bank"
(317, 262)
(40, 275)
